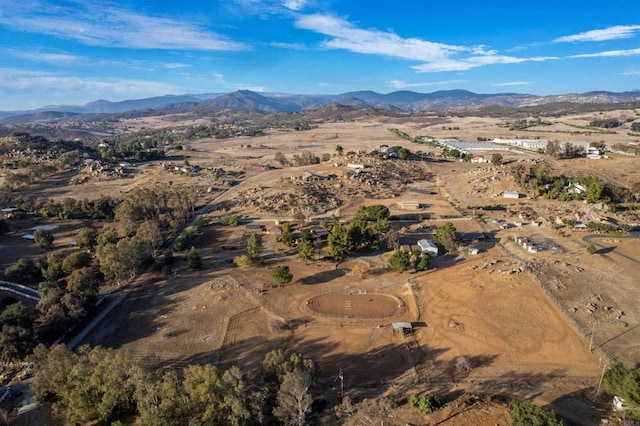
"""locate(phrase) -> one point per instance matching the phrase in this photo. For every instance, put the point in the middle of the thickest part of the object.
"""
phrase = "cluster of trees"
(103, 386)
(537, 181)
(69, 208)
(306, 158)
(624, 382)
(364, 232)
(220, 132)
(564, 150)
(401, 260)
(526, 413)
(605, 123)
(525, 123)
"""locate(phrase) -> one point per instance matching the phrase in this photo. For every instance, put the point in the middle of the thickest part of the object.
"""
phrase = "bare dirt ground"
(504, 322)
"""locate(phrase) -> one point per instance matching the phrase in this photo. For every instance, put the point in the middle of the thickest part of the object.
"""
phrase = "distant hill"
(246, 100)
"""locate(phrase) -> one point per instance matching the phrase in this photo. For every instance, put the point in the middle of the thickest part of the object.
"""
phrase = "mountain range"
(400, 101)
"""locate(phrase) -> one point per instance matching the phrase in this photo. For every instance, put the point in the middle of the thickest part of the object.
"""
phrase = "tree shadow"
(581, 408)
(323, 276)
(606, 250)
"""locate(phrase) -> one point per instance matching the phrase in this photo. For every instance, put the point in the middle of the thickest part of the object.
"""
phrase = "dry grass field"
(503, 322)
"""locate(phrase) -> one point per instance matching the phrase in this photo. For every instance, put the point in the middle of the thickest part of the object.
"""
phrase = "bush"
(194, 260)
(43, 239)
(425, 404)
(526, 414)
(229, 219)
(592, 249)
(281, 274)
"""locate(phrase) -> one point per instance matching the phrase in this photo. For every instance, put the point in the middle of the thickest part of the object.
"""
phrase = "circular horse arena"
(356, 305)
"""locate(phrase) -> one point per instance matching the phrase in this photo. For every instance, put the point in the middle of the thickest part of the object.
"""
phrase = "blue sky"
(76, 51)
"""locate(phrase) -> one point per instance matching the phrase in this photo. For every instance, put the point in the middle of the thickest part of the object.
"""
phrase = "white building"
(428, 246)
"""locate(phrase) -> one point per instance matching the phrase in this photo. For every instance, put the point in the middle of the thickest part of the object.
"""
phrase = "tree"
(294, 400)
(400, 261)
(25, 271)
(229, 219)
(553, 148)
(338, 241)
(280, 158)
(446, 236)
(194, 260)
(594, 192)
(422, 262)
(254, 245)
(526, 414)
(339, 150)
(496, 159)
(243, 261)
(592, 249)
(306, 250)
(281, 274)
(87, 238)
(287, 236)
(84, 284)
(76, 260)
(625, 383)
(43, 238)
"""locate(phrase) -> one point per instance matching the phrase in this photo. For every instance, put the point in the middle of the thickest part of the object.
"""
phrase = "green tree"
(84, 283)
(594, 192)
(400, 261)
(43, 238)
(281, 274)
(625, 383)
(339, 150)
(254, 245)
(447, 236)
(229, 219)
(526, 414)
(422, 262)
(306, 250)
(592, 249)
(76, 260)
(338, 241)
(496, 159)
(87, 238)
(287, 236)
(25, 271)
(194, 260)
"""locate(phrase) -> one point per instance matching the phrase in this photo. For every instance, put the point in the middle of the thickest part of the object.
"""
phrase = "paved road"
(20, 290)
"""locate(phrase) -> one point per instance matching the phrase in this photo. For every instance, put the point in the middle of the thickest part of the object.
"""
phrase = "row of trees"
(103, 386)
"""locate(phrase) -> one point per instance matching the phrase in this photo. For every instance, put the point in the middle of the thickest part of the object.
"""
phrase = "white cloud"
(400, 84)
(89, 87)
(611, 33)
(294, 4)
(514, 83)
(290, 46)
(346, 36)
(42, 56)
(174, 65)
(111, 26)
(476, 61)
(609, 53)
(436, 57)
(630, 73)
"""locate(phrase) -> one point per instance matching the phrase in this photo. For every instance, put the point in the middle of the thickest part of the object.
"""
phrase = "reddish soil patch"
(356, 305)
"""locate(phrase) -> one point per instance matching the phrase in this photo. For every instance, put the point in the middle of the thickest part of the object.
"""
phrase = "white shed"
(428, 246)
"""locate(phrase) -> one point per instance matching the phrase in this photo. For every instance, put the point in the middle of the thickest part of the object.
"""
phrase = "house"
(314, 177)
(9, 211)
(428, 246)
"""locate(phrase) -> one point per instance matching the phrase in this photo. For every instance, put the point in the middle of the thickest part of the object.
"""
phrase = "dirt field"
(503, 322)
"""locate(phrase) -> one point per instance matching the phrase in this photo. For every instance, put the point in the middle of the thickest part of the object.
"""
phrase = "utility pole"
(341, 377)
(604, 366)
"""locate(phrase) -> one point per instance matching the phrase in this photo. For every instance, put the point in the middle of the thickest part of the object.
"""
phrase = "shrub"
(281, 274)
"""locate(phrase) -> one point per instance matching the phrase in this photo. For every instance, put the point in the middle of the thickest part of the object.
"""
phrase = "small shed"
(428, 246)
(511, 194)
(406, 327)
(474, 250)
